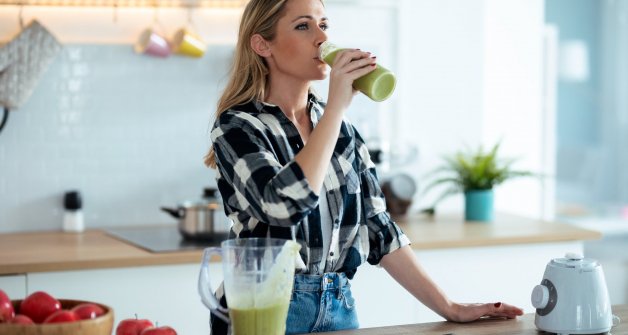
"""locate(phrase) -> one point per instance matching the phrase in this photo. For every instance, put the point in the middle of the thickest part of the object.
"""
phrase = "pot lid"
(574, 261)
(201, 204)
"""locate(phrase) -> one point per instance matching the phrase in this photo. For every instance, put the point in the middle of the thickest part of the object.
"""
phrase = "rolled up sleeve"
(385, 236)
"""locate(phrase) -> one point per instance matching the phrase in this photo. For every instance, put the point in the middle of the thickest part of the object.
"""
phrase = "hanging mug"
(152, 43)
(186, 42)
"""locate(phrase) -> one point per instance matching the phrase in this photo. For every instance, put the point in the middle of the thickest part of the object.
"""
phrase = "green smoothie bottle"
(378, 84)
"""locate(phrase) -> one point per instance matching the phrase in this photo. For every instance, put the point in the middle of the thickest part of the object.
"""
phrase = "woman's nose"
(322, 37)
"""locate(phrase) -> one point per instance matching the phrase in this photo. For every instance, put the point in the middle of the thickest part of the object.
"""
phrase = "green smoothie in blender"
(269, 320)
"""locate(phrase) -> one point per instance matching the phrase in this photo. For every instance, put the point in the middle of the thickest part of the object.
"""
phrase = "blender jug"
(258, 278)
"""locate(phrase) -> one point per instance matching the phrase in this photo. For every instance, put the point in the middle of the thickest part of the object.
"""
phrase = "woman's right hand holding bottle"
(349, 65)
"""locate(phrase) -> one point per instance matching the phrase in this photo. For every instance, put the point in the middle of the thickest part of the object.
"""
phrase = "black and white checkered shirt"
(266, 193)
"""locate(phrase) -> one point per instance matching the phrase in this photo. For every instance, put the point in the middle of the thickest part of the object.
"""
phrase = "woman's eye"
(324, 26)
(302, 26)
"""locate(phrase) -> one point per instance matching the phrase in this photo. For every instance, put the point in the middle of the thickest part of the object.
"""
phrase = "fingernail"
(373, 64)
(374, 57)
(497, 304)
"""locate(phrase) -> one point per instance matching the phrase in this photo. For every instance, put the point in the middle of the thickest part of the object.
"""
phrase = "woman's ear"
(260, 45)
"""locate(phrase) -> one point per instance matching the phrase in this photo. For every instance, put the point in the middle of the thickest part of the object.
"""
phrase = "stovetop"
(159, 238)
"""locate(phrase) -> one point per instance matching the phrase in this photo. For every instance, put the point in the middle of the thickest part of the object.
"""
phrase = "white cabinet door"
(14, 285)
(164, 294)
(483, 274)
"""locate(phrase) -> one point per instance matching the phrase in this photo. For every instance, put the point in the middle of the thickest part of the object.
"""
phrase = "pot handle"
(616, 320)
(176, 213)
(205, 289)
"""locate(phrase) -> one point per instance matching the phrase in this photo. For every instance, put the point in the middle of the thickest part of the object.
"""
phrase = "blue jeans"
(320, 304)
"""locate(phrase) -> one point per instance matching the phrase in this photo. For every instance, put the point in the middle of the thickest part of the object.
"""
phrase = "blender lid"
(575, 261)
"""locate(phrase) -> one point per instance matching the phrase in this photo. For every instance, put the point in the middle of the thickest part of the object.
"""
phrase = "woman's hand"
(472, 312)
(349, 65)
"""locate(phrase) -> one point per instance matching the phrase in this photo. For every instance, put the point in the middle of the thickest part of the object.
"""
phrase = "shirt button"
(331, 253)
(337, 221)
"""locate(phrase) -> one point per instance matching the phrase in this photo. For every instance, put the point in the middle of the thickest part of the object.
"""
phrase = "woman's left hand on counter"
(472, 312)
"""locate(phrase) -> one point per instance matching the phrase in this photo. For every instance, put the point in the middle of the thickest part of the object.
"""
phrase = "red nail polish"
(373, 64)
(497, 304)
(374, 57)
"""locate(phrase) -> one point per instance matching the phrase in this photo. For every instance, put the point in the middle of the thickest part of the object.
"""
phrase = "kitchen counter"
(448, 231)
(520, 326)
(94, 249)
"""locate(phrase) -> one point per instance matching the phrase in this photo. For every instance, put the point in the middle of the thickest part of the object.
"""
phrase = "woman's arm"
(404, 267)
(314, 158)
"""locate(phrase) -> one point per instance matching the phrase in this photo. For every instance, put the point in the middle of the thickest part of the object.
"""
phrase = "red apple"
(22, 320)
(39, 305)
(63, 315)
(133, 326)
(164, 330)
(87, 311)
(6, 308)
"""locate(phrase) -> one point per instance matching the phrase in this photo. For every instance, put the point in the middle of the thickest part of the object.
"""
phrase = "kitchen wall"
(472, 74)
(126, 130)
(129, 131)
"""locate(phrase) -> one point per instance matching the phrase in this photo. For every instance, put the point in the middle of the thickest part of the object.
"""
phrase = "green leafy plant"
(471, 171)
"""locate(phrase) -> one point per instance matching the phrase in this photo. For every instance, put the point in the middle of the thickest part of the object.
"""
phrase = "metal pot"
(202, 219)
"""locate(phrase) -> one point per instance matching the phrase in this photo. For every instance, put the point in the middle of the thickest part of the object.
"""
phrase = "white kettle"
(572, 297)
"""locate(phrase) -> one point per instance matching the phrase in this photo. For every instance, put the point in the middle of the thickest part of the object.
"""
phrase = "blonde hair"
(248, 76)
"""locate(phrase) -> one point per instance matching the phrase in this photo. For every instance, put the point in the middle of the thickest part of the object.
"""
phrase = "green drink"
(269, 320)
(378, 84)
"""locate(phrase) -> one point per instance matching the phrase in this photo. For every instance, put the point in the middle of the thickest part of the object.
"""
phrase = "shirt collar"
(315, 105)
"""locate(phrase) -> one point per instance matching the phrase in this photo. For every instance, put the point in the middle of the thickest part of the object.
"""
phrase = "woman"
(289, 166)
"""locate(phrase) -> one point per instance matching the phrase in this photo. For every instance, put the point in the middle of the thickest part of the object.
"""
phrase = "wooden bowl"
(102, 325)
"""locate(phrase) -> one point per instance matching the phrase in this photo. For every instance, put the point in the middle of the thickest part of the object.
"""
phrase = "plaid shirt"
(265, 192)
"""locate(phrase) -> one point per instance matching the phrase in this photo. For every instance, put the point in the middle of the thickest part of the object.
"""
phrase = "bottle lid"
(72, 200)
(325, 49)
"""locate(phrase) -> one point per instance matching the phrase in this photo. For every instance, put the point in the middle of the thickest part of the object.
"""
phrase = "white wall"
(512, 95)
(470, 75)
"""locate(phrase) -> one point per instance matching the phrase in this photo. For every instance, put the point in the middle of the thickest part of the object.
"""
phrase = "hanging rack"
(128, 3)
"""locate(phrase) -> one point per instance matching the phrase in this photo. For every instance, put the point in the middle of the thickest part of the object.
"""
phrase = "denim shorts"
(320, 304)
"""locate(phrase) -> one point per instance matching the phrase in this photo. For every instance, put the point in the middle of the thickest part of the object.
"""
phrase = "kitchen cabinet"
(164, 294)
(168, 294)
(479, 274)
(14, 285)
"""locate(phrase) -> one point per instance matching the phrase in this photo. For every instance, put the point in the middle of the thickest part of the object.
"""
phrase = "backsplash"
(128, 131)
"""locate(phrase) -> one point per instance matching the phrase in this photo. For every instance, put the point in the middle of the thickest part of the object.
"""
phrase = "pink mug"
(152, 43)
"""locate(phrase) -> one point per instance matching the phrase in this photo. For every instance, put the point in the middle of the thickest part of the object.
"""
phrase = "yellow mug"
(185, 42)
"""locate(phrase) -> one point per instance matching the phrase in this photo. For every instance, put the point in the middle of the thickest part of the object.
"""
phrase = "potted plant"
(473, 173)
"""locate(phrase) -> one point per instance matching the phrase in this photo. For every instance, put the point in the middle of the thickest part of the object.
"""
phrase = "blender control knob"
(540, 296)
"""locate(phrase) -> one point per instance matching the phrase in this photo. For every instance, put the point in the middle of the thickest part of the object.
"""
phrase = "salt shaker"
(73, 216)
